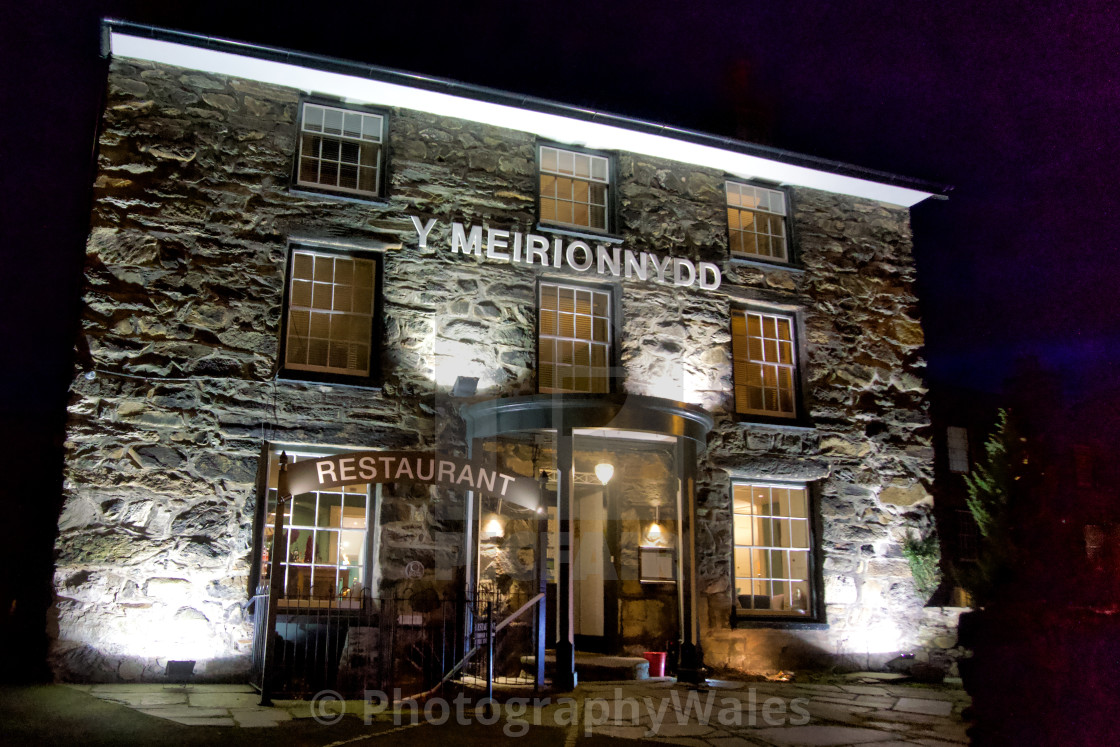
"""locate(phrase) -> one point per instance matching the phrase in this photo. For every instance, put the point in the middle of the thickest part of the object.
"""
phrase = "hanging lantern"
(604, 471)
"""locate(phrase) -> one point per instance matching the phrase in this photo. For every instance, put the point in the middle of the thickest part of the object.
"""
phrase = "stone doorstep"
(596, 667)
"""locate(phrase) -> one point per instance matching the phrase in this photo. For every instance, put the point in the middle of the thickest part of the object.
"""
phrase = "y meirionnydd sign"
(362, 467)
(530, 248)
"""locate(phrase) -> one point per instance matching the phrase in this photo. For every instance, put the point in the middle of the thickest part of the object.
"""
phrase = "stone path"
(865, 709)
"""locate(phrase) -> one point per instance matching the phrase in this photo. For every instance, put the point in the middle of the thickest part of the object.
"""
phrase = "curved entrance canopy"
(565, 412)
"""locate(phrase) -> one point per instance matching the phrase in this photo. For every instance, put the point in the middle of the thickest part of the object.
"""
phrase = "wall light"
(654, 533)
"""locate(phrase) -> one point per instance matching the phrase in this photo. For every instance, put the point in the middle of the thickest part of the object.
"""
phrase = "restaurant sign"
(429, 468)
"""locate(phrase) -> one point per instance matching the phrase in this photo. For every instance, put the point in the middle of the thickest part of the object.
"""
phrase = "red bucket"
(656, 661)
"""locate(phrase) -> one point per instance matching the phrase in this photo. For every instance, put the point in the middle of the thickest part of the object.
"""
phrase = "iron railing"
(399, 645)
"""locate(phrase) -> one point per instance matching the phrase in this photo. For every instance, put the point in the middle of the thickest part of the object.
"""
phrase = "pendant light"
(604, 470)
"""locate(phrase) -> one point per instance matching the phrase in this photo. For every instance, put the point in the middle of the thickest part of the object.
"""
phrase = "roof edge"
(484, 94)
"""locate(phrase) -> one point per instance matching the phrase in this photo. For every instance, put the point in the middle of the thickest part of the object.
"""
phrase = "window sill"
(741, 621)
(768, 265)
(308, 192)
(290, 377)
(607, 238)
(793, 424)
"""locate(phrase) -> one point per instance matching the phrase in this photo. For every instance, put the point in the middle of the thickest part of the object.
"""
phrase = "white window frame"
(759, 538)
(769, 366)
(767, 224)
(563, 349)
(346, 323)
(567, 184)
(361, 132)
(359, 556)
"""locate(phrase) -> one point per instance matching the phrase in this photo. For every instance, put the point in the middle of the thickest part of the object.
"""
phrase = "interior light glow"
(493, 527)
(550, 126)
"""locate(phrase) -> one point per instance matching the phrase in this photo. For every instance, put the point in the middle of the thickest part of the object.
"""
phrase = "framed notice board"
(658, 565)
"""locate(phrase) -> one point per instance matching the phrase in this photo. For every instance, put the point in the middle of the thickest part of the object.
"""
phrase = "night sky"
(1013, 103)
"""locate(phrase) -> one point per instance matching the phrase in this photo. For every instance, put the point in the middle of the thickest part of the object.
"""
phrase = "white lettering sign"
(528, 249)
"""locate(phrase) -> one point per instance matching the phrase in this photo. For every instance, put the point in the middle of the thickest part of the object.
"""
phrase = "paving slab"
(620, 732)
(674, 729)
(683, 741)
(902, 717)
(921, 705)
(820, 736)
(840, 713)
(259, 717)
(200, 721)
(141, 699)
(875, 701)
(130, 687)
(224, 700)
(865, 690)
(175, 713)
(904, 691)
(732, 742)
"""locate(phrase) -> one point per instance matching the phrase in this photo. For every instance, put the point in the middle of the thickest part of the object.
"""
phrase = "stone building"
(296, 255)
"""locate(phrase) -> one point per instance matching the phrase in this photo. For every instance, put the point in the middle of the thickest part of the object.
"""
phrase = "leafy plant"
(923, 551)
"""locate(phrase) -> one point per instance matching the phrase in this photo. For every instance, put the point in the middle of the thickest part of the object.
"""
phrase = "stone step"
(595, 667)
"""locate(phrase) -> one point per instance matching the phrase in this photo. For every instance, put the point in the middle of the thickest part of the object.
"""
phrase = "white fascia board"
(550, 126)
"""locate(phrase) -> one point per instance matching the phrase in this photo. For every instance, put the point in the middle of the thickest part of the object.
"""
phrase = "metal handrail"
(520, 610)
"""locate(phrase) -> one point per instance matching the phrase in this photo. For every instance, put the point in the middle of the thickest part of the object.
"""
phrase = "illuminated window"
(575, 339)
(330, 317)
(765, 364)
(957, 439)
(574, 188)
(756, 222)
(772, 549)
(340, 150)
(325, 546)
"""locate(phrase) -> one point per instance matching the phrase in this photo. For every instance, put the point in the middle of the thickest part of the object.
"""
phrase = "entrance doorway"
(594, 575)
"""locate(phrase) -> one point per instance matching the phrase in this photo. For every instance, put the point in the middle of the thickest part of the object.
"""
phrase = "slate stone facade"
(176, 397)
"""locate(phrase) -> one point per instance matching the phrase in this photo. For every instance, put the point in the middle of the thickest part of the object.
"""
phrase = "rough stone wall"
(176, 396)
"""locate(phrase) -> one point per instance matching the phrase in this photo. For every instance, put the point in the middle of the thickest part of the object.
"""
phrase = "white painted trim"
(553, 127)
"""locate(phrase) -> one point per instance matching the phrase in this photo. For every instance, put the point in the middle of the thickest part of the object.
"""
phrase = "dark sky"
(1015, 104)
